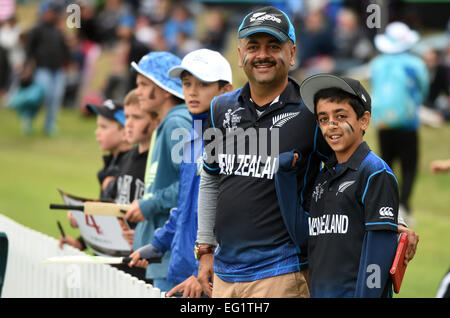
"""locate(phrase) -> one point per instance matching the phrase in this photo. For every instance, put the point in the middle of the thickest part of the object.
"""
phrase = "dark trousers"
(404, 146)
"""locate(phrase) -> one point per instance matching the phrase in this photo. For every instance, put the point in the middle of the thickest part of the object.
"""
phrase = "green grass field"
(32, 168)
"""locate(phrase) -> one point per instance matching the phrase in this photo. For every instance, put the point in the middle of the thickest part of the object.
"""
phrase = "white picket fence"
(27, 277)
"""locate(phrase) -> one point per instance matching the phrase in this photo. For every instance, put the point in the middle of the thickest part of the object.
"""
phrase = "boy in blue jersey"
(351, 229)
(204, 74)
(163, 95)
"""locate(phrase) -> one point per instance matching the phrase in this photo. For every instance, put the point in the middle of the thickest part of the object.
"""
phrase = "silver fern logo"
(262, 16)
(344, 186)
(279, 120)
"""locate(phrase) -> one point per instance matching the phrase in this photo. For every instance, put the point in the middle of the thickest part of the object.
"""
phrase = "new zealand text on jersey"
(326, 224)
(248, 165)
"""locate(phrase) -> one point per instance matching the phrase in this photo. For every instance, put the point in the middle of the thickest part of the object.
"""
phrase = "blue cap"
(268, 20)
(155, 66)
(110, 109)
(127, 20)
(120, 117)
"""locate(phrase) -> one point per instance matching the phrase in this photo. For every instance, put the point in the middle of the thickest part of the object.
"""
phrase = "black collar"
(290, 95)
(136, 154)
(353, 162)
(111, 159)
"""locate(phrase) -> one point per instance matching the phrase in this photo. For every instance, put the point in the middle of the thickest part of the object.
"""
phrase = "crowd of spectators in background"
(127, 30)
(332, 37)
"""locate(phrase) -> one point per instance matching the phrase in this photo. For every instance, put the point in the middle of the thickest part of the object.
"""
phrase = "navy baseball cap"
(268, 20)
(315, 83)
(110, 109)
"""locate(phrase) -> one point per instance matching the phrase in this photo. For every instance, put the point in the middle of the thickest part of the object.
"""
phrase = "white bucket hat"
(397, 38)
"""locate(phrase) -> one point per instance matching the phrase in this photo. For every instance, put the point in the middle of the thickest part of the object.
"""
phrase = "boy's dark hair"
(337, 95)
(177, 100)
(221, 83)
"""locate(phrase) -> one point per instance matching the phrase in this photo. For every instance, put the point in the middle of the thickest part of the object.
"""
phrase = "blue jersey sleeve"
(295, 218)
(377, 255)
(164, 235)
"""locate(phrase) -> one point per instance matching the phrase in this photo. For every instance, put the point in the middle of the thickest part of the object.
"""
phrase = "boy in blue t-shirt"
(351, 228)
(204, 74)
(164, 96)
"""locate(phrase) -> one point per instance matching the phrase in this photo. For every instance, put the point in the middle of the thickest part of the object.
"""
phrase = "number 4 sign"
(90, 221)
(102, 234)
